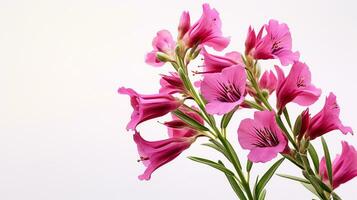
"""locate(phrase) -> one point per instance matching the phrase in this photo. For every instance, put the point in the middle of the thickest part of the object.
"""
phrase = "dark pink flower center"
(300, 82)
(265, 137)
(228, 92)
(276, 47)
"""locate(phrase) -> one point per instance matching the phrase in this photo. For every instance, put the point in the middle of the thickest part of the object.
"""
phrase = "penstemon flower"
(344, 167)
(162, 43)
(327, 120)
(262, 136)
(228, 84)
(148, 106)
(296, 87)
(224, 91)
(215, 64)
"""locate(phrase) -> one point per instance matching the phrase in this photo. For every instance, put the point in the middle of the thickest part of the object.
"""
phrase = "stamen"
(228, 92)
(265, 138)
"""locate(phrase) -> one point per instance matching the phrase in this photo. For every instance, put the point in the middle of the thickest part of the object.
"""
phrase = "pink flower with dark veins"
(207, 31)
(214, 63)
(344, 167)
(148, 106)
(154, 154)
(327, 120)
(296, 87)
(276, 44)
(224, 91)
(262, 137)
(162, 43)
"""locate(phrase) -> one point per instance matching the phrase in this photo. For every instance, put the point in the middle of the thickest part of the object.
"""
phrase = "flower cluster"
(232, 82)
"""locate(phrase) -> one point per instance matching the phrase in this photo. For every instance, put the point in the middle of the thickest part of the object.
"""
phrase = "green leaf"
(297, 126)
(310, 188)
(286, 115)
(234, 154)
(336, 197)
(262, 195)
(314, 158)
(266, 177)
(282, 127)
(189, 121)
(217, 146)
(249, 165)
(212, 164)
(237, 189)
(294, 178)
(328, 159)
(227, 118)
(184, 78)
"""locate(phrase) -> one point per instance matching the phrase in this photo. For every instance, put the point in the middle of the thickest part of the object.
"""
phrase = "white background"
(62, 124)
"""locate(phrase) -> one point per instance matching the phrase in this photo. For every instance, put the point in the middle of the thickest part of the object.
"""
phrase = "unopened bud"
(163, 57)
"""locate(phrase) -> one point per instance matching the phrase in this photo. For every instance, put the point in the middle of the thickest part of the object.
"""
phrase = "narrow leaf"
(266, 177)
(286, 115)
(249, 165)
(212, 164)
(294, 178)
(189, 121)
(282, 127)
(218, 148)
(234, 154)
(237, 189)
(262, 195)
(310, 188)
(227, 118)
(314, 157)
(328, 159)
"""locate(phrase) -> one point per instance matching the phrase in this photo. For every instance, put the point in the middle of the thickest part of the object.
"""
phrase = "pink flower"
(207, 31)
(276, 44)
(148, 106)
(262, 137)
(171, 84)
(157, 153)
(214, 64)
(224, 91)
(184, 24)
(344, 167)
(296, 87)
(327, 120)
(268, 81)
(178, 128)
(252, 39)
(163, 43)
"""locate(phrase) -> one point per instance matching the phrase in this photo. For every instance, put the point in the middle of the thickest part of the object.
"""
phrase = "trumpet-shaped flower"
(207, 31)
(276, 44)
(344, 167)
(148, 106)
(327, 120)
(171, 84)
(296, 87)
(154, 154)
(162, 43)
(262, 137)
(215, 64)
(224, 91)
